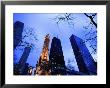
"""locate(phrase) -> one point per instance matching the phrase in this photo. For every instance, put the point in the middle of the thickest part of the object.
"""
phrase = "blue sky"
(43, 24)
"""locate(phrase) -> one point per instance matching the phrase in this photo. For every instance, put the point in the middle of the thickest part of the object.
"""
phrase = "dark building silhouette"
(56, 58)
(18, 29)
(25, 55)
(21, 68)
(22, 62)
(83, 57)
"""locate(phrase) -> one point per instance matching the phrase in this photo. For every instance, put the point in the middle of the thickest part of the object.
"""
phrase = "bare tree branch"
(91, 18)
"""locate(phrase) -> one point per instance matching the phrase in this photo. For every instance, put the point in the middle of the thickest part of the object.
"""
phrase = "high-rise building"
(21, 68)
(18, 29)
(83, 57)
(42, 67)
(25, 55)
(56, 58)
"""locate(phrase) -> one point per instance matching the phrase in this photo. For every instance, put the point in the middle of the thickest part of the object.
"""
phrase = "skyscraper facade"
(83, 57)
(18, 29)
(25, 55)
(56, 58)
(21, 68)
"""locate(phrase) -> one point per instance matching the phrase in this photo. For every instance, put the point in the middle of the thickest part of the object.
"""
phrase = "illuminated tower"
(42, 67)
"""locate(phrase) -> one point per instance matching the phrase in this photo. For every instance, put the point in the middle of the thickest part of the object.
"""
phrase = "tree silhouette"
(91, 35)
(69, 64)
(91, 17)
(28, 37)
(66, 17)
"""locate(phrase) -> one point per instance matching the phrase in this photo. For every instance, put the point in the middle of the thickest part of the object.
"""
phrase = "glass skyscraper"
(85, 61)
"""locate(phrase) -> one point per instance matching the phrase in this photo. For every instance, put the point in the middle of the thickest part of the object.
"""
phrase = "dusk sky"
(43, 24)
